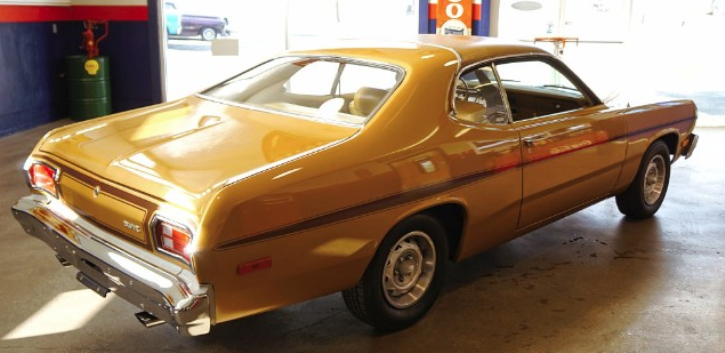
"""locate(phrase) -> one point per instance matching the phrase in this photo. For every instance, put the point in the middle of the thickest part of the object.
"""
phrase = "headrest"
(366, 99)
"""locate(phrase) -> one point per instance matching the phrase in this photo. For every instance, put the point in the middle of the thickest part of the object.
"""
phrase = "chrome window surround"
(397, 69)
(552, 61)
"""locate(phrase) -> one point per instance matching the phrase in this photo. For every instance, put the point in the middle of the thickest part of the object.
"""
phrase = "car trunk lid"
(182, 151)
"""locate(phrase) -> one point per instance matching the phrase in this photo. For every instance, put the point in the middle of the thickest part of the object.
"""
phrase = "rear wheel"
(645, 195)
(208, 33)
(405, 276)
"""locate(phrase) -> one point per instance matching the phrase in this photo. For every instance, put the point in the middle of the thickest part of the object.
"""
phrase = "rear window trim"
(333, 58)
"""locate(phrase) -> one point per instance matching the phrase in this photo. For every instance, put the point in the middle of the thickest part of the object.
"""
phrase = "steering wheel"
(462, 89)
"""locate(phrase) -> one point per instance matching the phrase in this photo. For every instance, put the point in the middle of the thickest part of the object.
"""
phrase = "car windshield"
(336, 90)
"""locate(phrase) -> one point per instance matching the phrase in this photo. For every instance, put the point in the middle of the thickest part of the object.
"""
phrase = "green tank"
(89, 87)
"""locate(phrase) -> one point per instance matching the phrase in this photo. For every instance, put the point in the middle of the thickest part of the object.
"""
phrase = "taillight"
(173, 239)
(43, 177)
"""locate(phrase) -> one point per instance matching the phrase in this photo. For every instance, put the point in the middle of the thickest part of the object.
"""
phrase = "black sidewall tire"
(384, 316)
(631, 202)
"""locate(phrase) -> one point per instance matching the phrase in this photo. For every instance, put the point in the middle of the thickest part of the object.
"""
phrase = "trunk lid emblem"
(131, 226)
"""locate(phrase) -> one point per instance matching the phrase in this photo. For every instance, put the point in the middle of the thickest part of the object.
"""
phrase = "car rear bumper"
(104, 267)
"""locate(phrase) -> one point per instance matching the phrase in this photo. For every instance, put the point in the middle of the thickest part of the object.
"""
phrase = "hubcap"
(208, 34)
(654, 180)
(409, 269)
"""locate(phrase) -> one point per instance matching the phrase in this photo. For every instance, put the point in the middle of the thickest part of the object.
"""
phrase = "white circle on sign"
(527, 5)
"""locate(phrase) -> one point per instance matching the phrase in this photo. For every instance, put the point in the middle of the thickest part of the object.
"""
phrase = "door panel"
(527, 104)
(570, 148)
(487, 161)
(484, 153)
(569, 159)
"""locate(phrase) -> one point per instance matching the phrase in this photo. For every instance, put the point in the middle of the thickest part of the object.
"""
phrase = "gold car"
(362, 169)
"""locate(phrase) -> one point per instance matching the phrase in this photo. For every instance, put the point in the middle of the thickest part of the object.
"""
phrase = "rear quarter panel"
(320, 218)
(648, 123)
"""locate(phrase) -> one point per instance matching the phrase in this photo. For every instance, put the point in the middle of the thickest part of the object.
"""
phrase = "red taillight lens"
(43, 177)
(173, 239)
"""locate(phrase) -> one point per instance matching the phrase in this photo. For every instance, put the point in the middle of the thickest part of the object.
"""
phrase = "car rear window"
(330, 89)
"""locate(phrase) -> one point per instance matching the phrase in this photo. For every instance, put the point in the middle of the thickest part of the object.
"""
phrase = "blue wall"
(127, 48)
(31, 64)
(32, 59)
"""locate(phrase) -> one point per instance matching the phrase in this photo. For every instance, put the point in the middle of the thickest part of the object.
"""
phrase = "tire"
(645, 195)
(417, 246)
(208, 33)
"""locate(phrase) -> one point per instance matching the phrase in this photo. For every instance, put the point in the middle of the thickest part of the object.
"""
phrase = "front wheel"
(404, 277)
(645, 195)
(208, 33)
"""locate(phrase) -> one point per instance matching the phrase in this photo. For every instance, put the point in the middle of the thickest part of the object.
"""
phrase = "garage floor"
(592, 282)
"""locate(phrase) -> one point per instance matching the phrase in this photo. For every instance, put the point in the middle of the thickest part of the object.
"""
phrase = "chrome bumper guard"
(690, 147)
(186, 306)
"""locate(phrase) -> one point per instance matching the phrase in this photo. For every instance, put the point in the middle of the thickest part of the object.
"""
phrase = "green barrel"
(89, 87)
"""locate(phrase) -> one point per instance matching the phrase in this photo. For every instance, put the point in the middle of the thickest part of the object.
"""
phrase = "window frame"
(400, 71)
(470, 68)
(557, 64)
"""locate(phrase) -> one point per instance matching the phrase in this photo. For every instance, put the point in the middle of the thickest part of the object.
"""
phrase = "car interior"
(338, 91)
(533, 89)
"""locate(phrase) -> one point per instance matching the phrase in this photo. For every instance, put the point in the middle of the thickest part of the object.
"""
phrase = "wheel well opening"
(453, 220)
(671, 141)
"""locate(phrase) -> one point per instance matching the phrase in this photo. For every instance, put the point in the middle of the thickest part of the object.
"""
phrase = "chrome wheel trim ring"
(654, 180)
(409, 269)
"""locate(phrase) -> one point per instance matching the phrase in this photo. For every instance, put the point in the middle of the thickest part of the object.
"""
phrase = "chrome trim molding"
(264, 168)
(344, 59)
(557, 63)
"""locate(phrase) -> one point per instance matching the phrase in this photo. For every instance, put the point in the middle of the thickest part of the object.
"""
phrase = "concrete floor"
(592, 282)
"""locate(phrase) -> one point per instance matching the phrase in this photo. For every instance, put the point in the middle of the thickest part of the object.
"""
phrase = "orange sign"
(454, 17)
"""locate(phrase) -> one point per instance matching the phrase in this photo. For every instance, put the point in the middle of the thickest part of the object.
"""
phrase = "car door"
(485, 148)
(570, 152)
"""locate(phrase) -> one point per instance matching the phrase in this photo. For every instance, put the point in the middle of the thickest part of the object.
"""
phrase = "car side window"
(478, 97)
(536, 88)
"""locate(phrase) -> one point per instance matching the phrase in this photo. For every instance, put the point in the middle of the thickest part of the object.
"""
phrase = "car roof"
(467, 49)
(473, 49)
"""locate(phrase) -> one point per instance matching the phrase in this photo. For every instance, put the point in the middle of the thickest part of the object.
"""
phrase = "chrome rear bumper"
(172, 296)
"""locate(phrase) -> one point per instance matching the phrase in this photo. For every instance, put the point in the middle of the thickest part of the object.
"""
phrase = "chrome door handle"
(532, 140)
